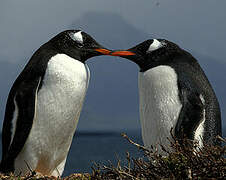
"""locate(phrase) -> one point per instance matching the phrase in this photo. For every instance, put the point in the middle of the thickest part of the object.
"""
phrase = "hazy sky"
(196, 25)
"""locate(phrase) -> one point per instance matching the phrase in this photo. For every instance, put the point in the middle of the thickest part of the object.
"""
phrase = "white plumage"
(58, 106)
(155, 45)
(14, 120)
(159, 104)
(198, 136)
(77, 36)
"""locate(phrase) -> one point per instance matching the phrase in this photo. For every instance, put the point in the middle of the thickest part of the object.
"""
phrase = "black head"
(77, 44)
(151, 53)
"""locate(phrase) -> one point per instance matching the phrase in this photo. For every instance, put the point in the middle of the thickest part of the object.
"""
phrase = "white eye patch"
(155, 45)
(77, 37)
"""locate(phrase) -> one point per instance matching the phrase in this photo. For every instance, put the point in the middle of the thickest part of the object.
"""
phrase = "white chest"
(63, 90)
(159, 104)
(58, 106)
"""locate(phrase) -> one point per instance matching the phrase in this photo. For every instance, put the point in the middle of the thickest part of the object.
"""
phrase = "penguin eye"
(79, 44)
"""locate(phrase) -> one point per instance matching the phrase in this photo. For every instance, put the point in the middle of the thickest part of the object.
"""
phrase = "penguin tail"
(6, 167)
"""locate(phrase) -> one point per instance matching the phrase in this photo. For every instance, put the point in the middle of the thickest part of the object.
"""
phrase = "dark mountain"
(113, 94)
(112, 98)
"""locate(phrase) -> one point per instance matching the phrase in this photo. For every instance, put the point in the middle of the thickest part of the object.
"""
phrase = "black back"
(29, 82)
(192, 79)
(23, 90)
(192, 82)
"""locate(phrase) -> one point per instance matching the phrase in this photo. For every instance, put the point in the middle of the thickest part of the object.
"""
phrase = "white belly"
(58, 106)
(159, 104)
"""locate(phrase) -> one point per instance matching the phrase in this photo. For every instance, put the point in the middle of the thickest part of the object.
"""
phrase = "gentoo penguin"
(44, 105)
(173, 93)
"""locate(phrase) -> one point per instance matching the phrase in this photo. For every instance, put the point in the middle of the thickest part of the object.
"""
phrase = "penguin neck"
(154, 60)
(163, 56)
(59, 49)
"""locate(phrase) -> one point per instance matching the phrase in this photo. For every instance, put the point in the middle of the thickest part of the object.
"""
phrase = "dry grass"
(34, 176)
(181, 163)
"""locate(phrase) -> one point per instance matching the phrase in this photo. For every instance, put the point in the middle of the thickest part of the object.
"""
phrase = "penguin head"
(150, 53)
(78, 44)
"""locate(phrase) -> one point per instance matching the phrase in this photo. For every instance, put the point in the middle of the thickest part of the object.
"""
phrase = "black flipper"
(24, 95)
(191, 112)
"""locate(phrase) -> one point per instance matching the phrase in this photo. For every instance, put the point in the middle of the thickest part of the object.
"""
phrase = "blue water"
(100, 147)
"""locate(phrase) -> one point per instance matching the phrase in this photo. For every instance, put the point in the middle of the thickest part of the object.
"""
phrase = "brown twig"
(221, 138)
(132, 142)
(33, 173)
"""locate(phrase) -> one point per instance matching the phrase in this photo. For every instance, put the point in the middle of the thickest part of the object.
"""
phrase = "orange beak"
(103, 51)
(122, 53)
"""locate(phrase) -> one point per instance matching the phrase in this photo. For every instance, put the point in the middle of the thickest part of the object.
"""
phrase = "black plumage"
(195, 92)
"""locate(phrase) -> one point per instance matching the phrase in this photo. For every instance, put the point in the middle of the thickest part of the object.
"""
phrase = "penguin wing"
(20, 112)
(192, 111)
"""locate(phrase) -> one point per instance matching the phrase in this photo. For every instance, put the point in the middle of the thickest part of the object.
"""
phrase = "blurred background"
(111, 104)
